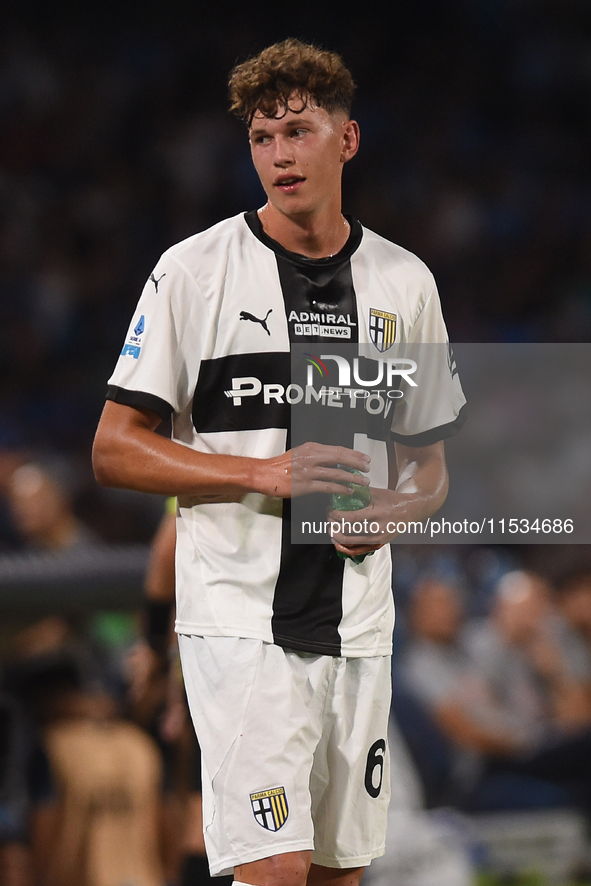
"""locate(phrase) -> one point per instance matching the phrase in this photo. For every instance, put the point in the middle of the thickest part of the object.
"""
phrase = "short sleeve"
(160, 358)
(432, 408)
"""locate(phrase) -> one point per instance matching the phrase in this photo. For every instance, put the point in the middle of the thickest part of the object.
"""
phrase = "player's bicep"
(116, 435)
(118, 418)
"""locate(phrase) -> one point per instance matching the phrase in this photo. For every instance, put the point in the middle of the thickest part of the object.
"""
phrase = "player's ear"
(350, 140)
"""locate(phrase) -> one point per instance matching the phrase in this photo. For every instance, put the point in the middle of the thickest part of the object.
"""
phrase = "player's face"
(300, 156)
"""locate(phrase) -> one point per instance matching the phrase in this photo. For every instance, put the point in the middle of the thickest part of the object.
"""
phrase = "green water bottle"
(359, 498)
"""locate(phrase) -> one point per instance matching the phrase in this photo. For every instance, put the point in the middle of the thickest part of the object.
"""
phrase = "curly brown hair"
(267, 81)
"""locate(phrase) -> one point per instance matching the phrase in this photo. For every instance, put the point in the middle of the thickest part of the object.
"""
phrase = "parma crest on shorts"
(382, 329)
(270, 808)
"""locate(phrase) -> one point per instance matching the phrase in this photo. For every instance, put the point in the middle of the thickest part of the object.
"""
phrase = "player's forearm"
(420, 491)
(131, 456)
(421, 488)
(164, 467)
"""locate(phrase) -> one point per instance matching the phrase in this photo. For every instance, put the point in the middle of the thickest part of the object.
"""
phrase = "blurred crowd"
(100, 770)
(497, 709)
(116, 143)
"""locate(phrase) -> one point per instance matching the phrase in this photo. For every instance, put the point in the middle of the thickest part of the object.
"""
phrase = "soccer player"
(285, 647)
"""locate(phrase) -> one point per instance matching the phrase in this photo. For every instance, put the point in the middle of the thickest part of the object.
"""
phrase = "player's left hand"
(374, 520)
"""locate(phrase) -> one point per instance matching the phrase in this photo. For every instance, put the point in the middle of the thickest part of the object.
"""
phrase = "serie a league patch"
(270, 808)
(382, 329)
(133, 345)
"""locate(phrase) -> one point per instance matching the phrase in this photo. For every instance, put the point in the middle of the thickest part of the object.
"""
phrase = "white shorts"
(293, 749)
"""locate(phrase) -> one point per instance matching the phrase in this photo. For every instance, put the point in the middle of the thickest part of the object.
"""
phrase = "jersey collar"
(355, 235)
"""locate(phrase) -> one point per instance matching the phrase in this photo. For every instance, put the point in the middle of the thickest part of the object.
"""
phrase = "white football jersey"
(209, 345)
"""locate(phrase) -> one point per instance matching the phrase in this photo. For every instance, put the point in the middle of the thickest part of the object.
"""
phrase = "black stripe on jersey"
(214, 410)
(433, 435)
(140, 400)
(323, 290)
(307, 605)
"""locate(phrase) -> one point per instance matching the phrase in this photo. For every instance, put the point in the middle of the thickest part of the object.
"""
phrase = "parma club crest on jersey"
(270, 808)
(382, 329)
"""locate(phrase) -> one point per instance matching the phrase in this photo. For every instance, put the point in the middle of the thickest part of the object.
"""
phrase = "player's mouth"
(289, 184)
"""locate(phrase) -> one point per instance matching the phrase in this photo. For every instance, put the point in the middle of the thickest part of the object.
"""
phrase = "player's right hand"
(309, 468)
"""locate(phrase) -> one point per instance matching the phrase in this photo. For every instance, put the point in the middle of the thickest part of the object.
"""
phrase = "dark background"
(116, 142)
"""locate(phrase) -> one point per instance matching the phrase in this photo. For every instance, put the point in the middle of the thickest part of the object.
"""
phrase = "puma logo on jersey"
(156, 281)
(244, 315)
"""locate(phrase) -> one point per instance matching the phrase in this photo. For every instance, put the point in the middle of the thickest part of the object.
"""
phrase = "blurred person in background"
(501, 696)
(40, 498)
(448, 711)
(531, 659)
(101, 827)
(573, 601)
(27, 789)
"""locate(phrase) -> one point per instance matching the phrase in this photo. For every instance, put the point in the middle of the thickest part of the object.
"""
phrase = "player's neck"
(317, 235)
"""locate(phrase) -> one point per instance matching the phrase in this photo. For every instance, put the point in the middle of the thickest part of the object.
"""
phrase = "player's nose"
(283, 153)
